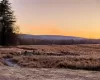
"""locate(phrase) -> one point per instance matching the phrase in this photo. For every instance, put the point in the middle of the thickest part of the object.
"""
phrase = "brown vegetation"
(55, 56)
(58, 62)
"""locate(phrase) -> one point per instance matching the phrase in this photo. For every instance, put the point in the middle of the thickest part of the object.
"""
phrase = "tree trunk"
(3, 37)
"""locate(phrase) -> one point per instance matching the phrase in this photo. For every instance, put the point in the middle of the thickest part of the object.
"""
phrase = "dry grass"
(56, 56)
(58, 62)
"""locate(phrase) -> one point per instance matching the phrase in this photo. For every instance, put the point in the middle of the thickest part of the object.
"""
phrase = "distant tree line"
(57, 42)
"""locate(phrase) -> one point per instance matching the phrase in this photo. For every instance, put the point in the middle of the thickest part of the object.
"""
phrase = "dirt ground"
(9, 73)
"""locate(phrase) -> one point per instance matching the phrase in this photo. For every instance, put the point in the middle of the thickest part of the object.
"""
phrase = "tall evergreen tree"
(7, 21)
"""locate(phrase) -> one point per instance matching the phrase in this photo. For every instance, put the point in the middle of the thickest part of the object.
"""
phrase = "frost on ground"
(9, 73)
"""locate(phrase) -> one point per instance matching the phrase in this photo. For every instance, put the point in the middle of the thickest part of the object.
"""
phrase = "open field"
(9, 73)
(54, 56)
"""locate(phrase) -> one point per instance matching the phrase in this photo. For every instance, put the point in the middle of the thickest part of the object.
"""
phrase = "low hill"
(49, 37)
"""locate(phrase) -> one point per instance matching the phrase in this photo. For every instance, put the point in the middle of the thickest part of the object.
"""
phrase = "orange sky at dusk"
(58, 17)
(54, 30)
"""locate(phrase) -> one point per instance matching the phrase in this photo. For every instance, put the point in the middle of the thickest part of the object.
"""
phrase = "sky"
(58, 17)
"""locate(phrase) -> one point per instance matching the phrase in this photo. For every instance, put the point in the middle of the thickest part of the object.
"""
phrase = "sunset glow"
(58, 17)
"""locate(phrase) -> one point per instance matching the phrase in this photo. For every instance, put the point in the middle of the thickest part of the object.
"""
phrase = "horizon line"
(57, 35)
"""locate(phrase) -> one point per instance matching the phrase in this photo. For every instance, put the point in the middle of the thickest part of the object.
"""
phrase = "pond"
(10, 63)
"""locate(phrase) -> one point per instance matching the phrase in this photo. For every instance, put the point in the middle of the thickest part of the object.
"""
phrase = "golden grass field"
(81, 56)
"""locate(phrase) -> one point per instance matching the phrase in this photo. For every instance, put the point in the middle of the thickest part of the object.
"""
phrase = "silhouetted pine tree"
(7, 21)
